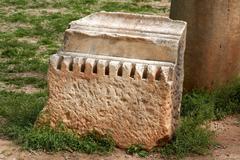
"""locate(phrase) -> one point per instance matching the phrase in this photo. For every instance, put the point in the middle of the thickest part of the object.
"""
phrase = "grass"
(23, 81)
(21, 111)
(47, 28)
(198, 108)
(190, 138)
(188, 141)
(20, 108)
(137, 149)
(227, 99)
(131, 7)
(52, 140)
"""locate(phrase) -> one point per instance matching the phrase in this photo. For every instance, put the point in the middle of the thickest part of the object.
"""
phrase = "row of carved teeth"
(111, 68)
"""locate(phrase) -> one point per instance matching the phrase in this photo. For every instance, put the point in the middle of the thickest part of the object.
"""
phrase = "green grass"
(23, 81)
(190, 138)
(47, 28)
(198, 108)
(21, 111)
(58, 139)
(227, 99)
(15, 65)
(138, 150)
(130, 7)
(20, 108)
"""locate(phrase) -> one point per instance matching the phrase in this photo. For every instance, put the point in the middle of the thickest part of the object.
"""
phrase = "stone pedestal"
(118, 74)
(213, 41)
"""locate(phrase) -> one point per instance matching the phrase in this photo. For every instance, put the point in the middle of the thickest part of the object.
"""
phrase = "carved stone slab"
(118, 74)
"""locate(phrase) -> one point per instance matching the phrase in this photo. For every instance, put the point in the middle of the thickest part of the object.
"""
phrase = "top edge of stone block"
(132, 23)
(128, 35)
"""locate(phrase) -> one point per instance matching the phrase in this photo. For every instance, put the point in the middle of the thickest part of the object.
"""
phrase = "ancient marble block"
(118, 74)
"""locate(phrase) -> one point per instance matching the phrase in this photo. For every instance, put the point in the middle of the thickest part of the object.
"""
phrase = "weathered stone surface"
(212, 55)
(125, 35)
(136, 101)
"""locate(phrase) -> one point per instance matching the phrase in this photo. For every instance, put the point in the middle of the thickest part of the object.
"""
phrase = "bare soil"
(227, 136)
(28, 74)
(13, 88)
(11, 27)
(27, 88)
(228, 139)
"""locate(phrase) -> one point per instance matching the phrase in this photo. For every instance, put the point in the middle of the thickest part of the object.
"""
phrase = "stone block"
(119, 74)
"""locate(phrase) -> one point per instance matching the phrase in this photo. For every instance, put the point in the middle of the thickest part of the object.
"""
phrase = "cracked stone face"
(118, 74)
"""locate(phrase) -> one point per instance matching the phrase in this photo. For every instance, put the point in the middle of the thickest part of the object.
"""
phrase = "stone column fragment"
(213, 52)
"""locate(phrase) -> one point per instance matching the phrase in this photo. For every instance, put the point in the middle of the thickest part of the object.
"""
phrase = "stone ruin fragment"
(118, 74)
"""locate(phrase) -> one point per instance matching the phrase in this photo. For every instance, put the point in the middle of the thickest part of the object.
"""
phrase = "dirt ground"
(227, 136)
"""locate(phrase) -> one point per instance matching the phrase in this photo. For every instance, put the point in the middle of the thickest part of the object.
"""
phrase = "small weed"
(137, 149)
(216, 105)
(198, 104)
(227, 99)
(18, 17)
(16, 49)
(190, 137)
(15, 2)
(22, 32)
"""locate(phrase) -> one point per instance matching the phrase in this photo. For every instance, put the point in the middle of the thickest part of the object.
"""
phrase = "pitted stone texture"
(99, 86)
(132, 110)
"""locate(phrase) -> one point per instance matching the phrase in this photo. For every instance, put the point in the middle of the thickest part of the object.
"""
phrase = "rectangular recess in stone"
(119, 74)
(145, 37)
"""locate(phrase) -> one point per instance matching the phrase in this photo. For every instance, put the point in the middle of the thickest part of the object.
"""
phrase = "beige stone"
(103, 80)
(212, 55)
(125, 35)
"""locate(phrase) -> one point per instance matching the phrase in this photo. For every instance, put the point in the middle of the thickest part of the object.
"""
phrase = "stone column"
(212, 55)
